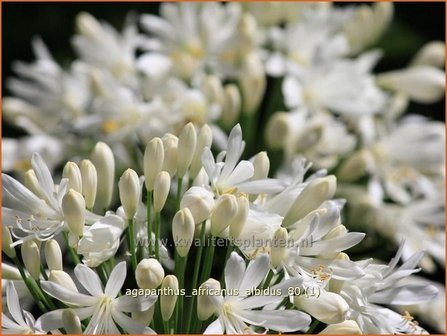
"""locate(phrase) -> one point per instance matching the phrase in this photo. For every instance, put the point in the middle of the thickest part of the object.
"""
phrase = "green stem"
(102, 273)
(313, 326)
(42, 271)
(157, 235)
(230, 249)
(208, 262)
(268, 279)
(149, 222)
(131, 242)
(73, 254)
(29, 285)
(181, 280)
(195, 278)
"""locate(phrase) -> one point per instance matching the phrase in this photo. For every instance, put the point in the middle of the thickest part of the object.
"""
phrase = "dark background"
(413, 26)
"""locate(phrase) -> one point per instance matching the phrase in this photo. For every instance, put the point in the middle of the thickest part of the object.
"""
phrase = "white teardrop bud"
(71, 322)
(199, 201)
(187, 141)
(30, 181)
(89, 177)
(277, 131)
(278, 251)
(223, 213)
(7, 241)
(433, 54)
(348, 327)
(53, 255)
(168, 297)
(63, 279)
(129, 190)
(261, 165)
(206, 299)
(162, 185)
(183, 231)
(238, 222)
(102, 158)
(153, 161)
(73, 174)
(252, 82)
(204, 139)
(73, 207)
(231, 108)
(170, 146)
(31, 258)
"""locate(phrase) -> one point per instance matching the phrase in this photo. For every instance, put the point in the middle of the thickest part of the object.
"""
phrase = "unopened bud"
(129, 189)
(422, 83)
(183, 231)
(102, 158)
(63, 279)
(277, 130)
(338, 231)
(30, 181)
(278, 251)
(204, 139)
(336, 285)
(213, 89)
(73, 174)
(223, 213)
(31, 258)
(170, 146)
(73, 207)
(149, 274)
(199, 201)
(71, 322)
(153, 161)
(186, 146)
(252, 82)
(89, 177)
(168, 301)
(238, 222)
(7, 241)
(87, 25)
(432, 54)
(232, 105)
(355, 166)
(328, 308)
(261, 165)
(162, 185)
(311, 197)
(206, 302)
(53, 255)
(348, 327)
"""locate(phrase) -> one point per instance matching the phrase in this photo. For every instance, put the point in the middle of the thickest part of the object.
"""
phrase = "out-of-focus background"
(414, 25)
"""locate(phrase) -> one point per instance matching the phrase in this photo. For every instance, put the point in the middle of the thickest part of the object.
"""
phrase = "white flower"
(33, 217)
(197, 37)
(237, 314)
(101, 240)
(105, 309)
(22, 322)
(382, 285)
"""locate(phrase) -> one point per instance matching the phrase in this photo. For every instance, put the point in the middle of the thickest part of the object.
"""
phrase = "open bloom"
(237, 312)
(105, 308)
(22, 322)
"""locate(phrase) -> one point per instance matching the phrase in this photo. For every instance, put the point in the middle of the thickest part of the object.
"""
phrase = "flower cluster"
(144, 203)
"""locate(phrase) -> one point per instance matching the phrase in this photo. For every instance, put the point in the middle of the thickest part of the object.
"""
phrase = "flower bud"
(199, 201)
(278, 251)
(53, 255)
(232, 105)
(89, 182)
(213, 89)
(311, 197)
(71, 322)
(338, 231)
(129, 189)
(31, 258)
(206, 302)
(183, 231)
(277, 130)
(223, 213)
(102, 158)
(261, 165)
(252, 82)
(30, 181)
(422, 83)
(162, 185)
(63, 279)
(73, 174)
(10, 272)
(204, 139)
(153, 161)
(73, 207)
(248, 32)
(7, 241)
(355, 166)
(170, 146)
(328, 308)
(87, 25)
(348, 327)
(149, 274)
(336, 285)
(432, 54)
(186, 146)
(168, 301)
(238, 222)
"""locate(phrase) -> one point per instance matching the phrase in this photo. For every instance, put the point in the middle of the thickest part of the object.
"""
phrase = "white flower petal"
(405, 295)
(67, 296)
(214, 328)
(255, 273)
(243, 171)
(128, 303)
(278, 320)
(128, 324)
(12, 300)
(234, 271)
(116, 280)
(89, 280)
